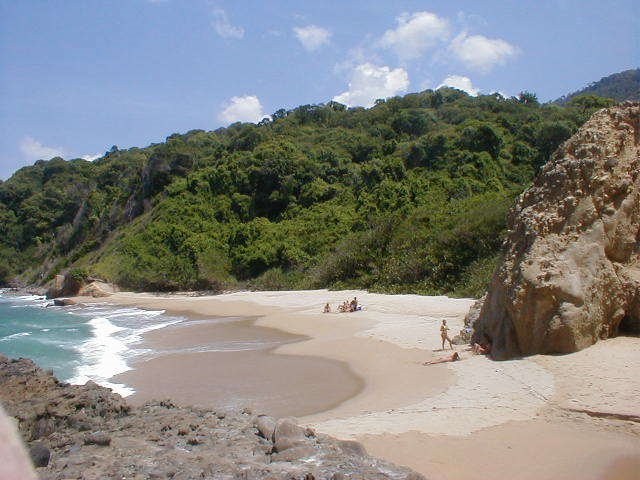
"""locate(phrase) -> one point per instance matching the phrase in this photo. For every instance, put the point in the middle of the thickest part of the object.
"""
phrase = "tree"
(111, 151)
(588, 102)
(528, 98)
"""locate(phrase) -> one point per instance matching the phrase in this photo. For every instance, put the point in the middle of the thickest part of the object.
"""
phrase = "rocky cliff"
(571, 271)
(89, 432)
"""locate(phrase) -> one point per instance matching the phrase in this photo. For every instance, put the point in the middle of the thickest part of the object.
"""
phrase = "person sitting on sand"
(449, 358)
(444, 334)
(353, 306)
(482, 348)
(327, 308)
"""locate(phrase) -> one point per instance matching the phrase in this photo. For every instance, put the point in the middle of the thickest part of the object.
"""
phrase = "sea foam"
(115, 332)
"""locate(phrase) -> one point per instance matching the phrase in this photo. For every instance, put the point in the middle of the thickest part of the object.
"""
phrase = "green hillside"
(408, 196)
(619, 86)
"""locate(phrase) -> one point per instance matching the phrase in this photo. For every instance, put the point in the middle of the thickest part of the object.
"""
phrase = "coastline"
(451, 420)
(236, 368)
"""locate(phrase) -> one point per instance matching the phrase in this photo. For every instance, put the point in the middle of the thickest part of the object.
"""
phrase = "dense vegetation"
(619, 86)
(410, 195)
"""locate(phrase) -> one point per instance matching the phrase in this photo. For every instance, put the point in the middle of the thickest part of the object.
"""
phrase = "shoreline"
(426, 417)
(239, 374)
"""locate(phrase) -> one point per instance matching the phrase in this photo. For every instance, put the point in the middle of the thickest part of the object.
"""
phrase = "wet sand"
(231, 364)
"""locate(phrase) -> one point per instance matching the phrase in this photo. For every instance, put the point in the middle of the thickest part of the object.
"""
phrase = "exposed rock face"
(470, 319)
(571, 272)
(96, 289)
(63, 286)
(91, 433)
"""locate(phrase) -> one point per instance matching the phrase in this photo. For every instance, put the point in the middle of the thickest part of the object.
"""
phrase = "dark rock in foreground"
(571, 272)
(91, 433)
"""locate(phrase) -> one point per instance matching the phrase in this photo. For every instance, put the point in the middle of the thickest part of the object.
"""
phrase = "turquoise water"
(49, 336)
(79, 343)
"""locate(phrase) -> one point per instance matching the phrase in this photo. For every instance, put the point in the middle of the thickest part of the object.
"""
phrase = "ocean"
(79, 343)
(216, 362)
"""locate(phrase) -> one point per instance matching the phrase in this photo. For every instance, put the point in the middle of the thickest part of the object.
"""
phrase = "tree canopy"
(408, 196)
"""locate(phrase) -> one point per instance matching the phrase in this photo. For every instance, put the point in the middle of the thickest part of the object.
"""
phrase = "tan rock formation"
(96, 289)
(571, 272)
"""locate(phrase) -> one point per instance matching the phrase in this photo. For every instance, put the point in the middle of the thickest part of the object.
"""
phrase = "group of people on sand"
(344, 307)
(483, 348)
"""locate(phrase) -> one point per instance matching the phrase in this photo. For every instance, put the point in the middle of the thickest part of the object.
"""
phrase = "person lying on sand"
(444, 334)
(449, 358)
(327, 308)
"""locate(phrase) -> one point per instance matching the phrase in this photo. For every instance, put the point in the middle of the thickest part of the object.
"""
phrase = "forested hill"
(619, 86)
(410, 195)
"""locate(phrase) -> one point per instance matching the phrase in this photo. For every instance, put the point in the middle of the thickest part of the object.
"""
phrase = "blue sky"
(77, 77)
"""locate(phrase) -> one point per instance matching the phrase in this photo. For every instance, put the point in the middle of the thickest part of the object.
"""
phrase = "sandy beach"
(240, 374)
(543, 417)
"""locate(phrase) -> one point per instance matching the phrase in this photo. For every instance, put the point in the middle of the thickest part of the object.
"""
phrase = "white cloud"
(370, 82)
(482, 53)
(91, 158)
(312, 37)
(461, 83)
(415, 34)
(355, 56)
(223, 26)
(246, 108)
(32, 149)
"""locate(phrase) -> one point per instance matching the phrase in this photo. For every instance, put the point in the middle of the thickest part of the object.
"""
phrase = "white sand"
(406, 407)
(604, 378)
(485, 394)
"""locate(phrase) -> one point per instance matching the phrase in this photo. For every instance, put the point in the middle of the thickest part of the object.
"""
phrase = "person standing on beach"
(444, 334)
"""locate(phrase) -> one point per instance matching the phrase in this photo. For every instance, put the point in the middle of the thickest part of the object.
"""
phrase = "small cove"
(215, 362)
(230, 363)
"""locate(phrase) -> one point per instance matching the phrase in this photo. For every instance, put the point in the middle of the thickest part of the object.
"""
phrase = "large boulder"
(63, 302)
(96, 288)
(571, 271)
(64, 286)
(288, 434)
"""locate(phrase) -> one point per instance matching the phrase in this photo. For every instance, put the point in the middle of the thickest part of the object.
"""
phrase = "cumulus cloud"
(482, 53)
(370, 82)
(415, 34)
(91, 158)
(312, 37)
(461, 83)
(246, 108)
(223, 26)
(32, 149)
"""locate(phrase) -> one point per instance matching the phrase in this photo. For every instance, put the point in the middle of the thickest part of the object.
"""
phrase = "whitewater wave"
(26, 301)
(108, 351)
(15, 335)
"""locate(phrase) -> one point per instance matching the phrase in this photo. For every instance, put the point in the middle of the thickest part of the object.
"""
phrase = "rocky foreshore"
(89, 432)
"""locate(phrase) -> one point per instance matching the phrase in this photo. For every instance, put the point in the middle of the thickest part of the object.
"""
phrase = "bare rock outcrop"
(64, 286)
(89, 432)
(96, 288)
(571, 272)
